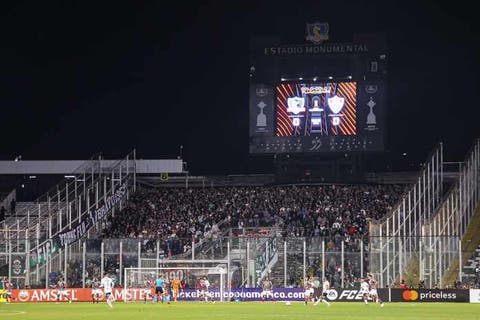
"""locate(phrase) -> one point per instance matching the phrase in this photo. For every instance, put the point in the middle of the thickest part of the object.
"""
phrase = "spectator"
(12, 207)
(477, 275)
(421, 284)
(177, 217)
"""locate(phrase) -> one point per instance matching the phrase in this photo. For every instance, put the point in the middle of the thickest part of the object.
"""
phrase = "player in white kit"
(107, 285)
(364, 289)
(62, 292)
(308, 286)
(373, 290)
(204, 285)
(267, 289)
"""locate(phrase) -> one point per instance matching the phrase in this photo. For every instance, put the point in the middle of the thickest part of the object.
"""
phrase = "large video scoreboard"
(323, 97)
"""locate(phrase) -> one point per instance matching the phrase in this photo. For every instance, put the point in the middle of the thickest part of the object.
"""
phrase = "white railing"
(444, 230)
(65, 211)
(395, 238)
(426, 225)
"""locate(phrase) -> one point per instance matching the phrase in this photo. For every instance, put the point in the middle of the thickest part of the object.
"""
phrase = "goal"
(136, 282)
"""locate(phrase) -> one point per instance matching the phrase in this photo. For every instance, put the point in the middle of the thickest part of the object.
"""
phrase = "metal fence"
(422, 234)
(451, 219)
(425, 212)
(36, 237)
(286, 260)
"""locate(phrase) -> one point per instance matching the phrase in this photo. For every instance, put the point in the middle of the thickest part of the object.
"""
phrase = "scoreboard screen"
(314, 98)
(325, 109)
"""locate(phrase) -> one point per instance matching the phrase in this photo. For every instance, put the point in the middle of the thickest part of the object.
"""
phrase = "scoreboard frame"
(274, 62)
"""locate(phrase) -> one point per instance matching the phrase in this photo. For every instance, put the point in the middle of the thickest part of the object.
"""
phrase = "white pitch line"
(11, 312)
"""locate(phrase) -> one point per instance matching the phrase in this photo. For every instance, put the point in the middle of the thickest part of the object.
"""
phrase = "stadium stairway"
(26, 215)
(470, 252)
(469, 274)
(471, 249)
(294, 267)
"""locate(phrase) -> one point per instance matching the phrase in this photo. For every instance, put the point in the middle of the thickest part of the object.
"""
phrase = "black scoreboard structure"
(318, 97)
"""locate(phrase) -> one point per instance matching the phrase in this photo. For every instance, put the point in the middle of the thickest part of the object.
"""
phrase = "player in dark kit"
(159, 288)
(317, 290)
(149, 290)
(8, 286)
(321, 292)
(96, 291)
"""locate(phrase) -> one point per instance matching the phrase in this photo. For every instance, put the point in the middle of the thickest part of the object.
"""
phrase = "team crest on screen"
(262, 92)
(371, 88)
(296, 105)
(317, 32)
(336, 103)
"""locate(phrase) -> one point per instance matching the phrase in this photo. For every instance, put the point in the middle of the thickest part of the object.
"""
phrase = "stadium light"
(315, 78)
(349, 77)
(283, 79)
(300, 78)
(69, 177)
(330, 77)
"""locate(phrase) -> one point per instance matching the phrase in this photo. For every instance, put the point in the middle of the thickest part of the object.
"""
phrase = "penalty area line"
(11, 312)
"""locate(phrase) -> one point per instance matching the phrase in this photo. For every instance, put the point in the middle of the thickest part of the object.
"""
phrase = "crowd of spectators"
(171, 214)
(329, 211)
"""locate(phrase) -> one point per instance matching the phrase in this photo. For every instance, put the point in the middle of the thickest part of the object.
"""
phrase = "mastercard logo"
(410, 295)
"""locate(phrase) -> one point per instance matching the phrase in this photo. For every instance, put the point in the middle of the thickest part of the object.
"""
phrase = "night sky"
(80, 77)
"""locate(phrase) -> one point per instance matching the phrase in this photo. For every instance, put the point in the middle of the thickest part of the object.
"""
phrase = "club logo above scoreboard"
(317, 32)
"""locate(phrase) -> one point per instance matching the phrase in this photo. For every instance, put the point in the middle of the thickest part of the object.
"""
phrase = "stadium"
(325, 221)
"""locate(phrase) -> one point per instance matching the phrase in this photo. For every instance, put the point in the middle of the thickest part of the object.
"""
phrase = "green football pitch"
(239, 310)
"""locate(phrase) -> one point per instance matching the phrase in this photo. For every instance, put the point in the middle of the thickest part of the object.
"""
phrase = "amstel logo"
(410, 295)
(23, 296)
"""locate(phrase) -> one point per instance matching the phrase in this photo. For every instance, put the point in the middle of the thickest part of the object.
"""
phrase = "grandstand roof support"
(68, 167)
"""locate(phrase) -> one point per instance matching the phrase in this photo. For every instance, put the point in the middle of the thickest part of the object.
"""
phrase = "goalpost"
(135, 280)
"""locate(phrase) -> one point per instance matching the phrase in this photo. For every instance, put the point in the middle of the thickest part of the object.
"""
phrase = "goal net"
(139, 283)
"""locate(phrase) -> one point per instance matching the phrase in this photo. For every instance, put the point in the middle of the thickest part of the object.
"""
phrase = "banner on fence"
(253, 294)
(352, 295)
(474, 295)
(3, 295)
(430, 295)
(81, 227)
(51, 295)
(138, 294)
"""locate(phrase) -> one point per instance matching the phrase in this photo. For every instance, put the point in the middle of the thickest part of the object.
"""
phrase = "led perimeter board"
(325, 97)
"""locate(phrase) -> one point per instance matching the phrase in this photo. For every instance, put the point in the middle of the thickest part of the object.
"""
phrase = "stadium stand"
(289, 231)
(325, 210)
(332, 212)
